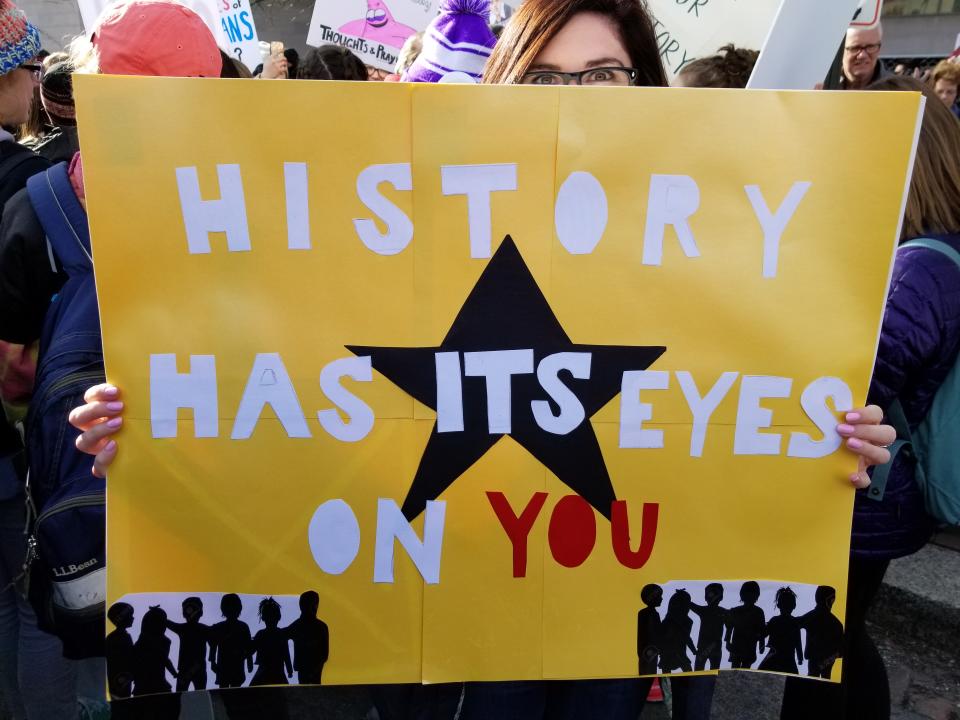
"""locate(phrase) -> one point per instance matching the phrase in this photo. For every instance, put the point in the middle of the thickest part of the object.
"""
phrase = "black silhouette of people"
(783, 636)
(824, 634)
(230, 644)
(151, 655)
(648, 629)
(746, 625)
(713, 619)
(271, 647)
(311, 640)
(194, 638)
(119, 651)
(675, 634)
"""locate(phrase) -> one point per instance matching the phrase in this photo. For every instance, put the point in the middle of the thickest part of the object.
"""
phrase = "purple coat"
(919, 342)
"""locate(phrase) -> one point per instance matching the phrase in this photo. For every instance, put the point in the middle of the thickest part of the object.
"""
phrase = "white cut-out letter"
(498, 367)
(672, 200)
(813, 400)
(170, 390)
(449, 392)
(298, 205)
(399, 227)
(269, 384)
(580, 215)
(751, 417)
(227, 215)
(391, 524)
(571, 409)
(477, 182)
(334, 537)
(360, 415)
(773, 225)
(634, 413)
(702, 407)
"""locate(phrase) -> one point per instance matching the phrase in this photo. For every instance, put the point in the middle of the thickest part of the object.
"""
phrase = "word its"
(270, 384)
(580, 215)
(334, 538)
(572, 533)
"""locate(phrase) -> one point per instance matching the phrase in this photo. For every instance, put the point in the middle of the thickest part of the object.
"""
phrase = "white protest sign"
(802, 44)
(238, 36)
(868, 14)
(690, 29)
(374, 30)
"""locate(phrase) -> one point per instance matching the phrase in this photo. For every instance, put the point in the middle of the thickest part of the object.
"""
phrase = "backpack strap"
(895, 413)
(63, 218)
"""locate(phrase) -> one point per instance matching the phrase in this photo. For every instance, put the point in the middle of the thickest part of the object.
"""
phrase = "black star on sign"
(507, 311)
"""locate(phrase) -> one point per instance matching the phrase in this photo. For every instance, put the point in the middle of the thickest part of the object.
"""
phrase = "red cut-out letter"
(620, 534)
(517, 528)
(573, 531)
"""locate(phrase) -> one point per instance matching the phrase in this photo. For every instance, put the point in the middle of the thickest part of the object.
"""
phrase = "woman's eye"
(545, 80)
(599, 76)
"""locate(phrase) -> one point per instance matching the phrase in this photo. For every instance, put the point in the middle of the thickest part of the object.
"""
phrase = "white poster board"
(802, 44)
(869, 13)
(374, 30)
(689, 29)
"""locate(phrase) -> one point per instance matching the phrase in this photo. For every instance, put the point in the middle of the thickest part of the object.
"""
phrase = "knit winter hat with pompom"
(457, 40)
(19, 40)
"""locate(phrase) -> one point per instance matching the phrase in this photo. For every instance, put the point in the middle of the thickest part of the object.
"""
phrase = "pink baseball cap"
(155, 37)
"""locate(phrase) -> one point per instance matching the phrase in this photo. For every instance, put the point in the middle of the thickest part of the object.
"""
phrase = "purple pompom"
(468, 7)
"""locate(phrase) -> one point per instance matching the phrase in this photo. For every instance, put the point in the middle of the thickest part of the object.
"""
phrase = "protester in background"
(313, 67)
(341, 63)
(457, 41)
(919, 342)
(861, 58)
(56, 94)
(729, 68)
(412, 47)
(946, 82)
(233, 68)
(293, 62)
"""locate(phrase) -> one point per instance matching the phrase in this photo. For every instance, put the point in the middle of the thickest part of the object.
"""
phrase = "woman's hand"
(866, 437)
(99, 419)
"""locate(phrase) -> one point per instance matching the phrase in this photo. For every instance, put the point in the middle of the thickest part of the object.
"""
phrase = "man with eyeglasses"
(861, 57)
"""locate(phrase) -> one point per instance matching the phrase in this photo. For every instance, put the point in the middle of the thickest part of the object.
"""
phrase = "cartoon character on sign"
(379, 26)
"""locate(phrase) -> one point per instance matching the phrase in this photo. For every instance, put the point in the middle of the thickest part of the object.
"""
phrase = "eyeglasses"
(602, 76)
(870, 49)
(35, 70)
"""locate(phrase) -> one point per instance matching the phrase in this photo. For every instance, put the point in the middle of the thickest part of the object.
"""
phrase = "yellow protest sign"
(520, 382)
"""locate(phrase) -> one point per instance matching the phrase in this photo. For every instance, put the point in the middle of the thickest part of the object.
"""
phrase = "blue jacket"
(919, 342)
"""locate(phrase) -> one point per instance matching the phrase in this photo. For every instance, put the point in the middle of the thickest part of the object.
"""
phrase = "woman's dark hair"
(231, 68)
(293, 63)
(341, 63)
(729, 68)
(933, 203)
(312, 67)
(536, 22)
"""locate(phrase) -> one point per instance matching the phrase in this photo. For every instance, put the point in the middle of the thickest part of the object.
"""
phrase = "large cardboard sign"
(427, 403)
(374, 30)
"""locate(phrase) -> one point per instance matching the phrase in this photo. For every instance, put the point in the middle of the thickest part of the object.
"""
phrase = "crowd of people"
(553, 42)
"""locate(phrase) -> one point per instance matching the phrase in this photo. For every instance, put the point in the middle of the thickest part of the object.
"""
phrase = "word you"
(351, 420)
(580, 215)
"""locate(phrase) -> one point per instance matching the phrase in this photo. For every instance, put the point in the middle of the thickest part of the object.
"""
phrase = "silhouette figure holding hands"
(783, 631)
(151, 655)
(745, 627)
(230, 644)
(824, 634)
(712, 621)
(194, 636)
(119, 651)
(271, 648)
(311, 640)
(675, 634)
(648, 629)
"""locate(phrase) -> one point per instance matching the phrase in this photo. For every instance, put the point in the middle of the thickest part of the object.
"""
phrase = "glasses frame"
(869, 49)
(33, 68)
(577, 77)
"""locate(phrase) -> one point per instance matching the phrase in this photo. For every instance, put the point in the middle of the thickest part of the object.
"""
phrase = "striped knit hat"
(19, 40)
(457, 41)
(56, 94)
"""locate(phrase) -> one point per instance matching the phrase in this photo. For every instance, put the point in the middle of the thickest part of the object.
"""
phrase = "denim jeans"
(36, 681)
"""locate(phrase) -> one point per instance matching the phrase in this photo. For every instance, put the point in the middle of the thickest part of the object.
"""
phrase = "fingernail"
(114, 422)
(855, 478)
(114, 406)
(111, 446)
(110, 390)
(854, 443)
(846, 429)
(852, 417)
